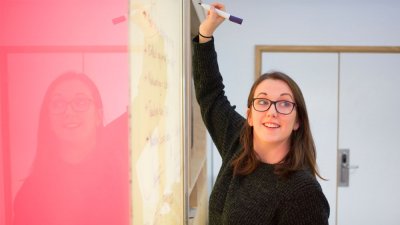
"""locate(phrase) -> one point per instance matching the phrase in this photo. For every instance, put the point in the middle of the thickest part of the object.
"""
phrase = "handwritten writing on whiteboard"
(154, 109)
(157, 187)
(153, 52)
(154, 81)
(152, 25)
(143, 15)
(158, 140)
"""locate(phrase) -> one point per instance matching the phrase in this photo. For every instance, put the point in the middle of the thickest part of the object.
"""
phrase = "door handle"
(344, 167)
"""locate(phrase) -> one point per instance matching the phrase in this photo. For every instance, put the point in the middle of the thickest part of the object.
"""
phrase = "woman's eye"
(285, 104)
(262, 102)
(57, 103)
(80, 102)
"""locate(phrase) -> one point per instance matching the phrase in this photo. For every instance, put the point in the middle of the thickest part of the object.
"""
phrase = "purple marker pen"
(223, 14)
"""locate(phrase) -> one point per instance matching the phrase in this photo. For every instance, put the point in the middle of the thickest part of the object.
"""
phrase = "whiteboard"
(157, 111)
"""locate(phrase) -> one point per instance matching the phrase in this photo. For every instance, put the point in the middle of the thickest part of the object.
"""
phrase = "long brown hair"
(302, 152)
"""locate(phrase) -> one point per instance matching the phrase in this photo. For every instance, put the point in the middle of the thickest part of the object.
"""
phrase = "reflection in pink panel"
(64, 124)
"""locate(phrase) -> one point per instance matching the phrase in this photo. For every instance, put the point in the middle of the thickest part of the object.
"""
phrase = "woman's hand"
(210, 24)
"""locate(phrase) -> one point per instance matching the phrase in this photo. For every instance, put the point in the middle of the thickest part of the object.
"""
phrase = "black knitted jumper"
(261, 197)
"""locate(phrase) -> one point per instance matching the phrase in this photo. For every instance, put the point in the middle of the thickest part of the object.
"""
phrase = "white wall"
(298, 22)
(301, 22)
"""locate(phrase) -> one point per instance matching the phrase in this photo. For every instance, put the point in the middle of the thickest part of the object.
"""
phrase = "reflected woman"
(78, 176)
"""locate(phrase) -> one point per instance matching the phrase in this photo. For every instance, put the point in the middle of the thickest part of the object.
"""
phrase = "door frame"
(260, 49)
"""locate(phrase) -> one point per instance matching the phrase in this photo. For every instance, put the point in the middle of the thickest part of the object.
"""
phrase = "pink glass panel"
(64, 123)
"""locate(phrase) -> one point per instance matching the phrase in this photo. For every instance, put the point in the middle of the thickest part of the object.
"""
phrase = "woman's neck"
(77, 151)
(271, 153)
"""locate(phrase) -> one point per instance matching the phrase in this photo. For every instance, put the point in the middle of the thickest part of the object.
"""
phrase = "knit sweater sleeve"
(219, 116)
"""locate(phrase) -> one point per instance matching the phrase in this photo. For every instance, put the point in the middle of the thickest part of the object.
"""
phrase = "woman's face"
(73, 115)
(270, 127)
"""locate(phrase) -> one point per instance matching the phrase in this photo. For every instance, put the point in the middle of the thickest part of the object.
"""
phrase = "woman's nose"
(272, 111)
(69, 109)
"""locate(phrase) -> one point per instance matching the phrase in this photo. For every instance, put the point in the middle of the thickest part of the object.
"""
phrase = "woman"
(268, 172)
(78, 176)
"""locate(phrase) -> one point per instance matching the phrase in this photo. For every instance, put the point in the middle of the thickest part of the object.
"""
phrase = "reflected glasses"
(78, 104)
(281, 106)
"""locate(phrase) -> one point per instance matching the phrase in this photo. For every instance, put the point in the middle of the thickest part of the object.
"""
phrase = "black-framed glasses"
(282, 106)
(79, 104)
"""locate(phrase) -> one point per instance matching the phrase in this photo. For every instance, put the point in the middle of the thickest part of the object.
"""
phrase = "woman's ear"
(249, 117)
